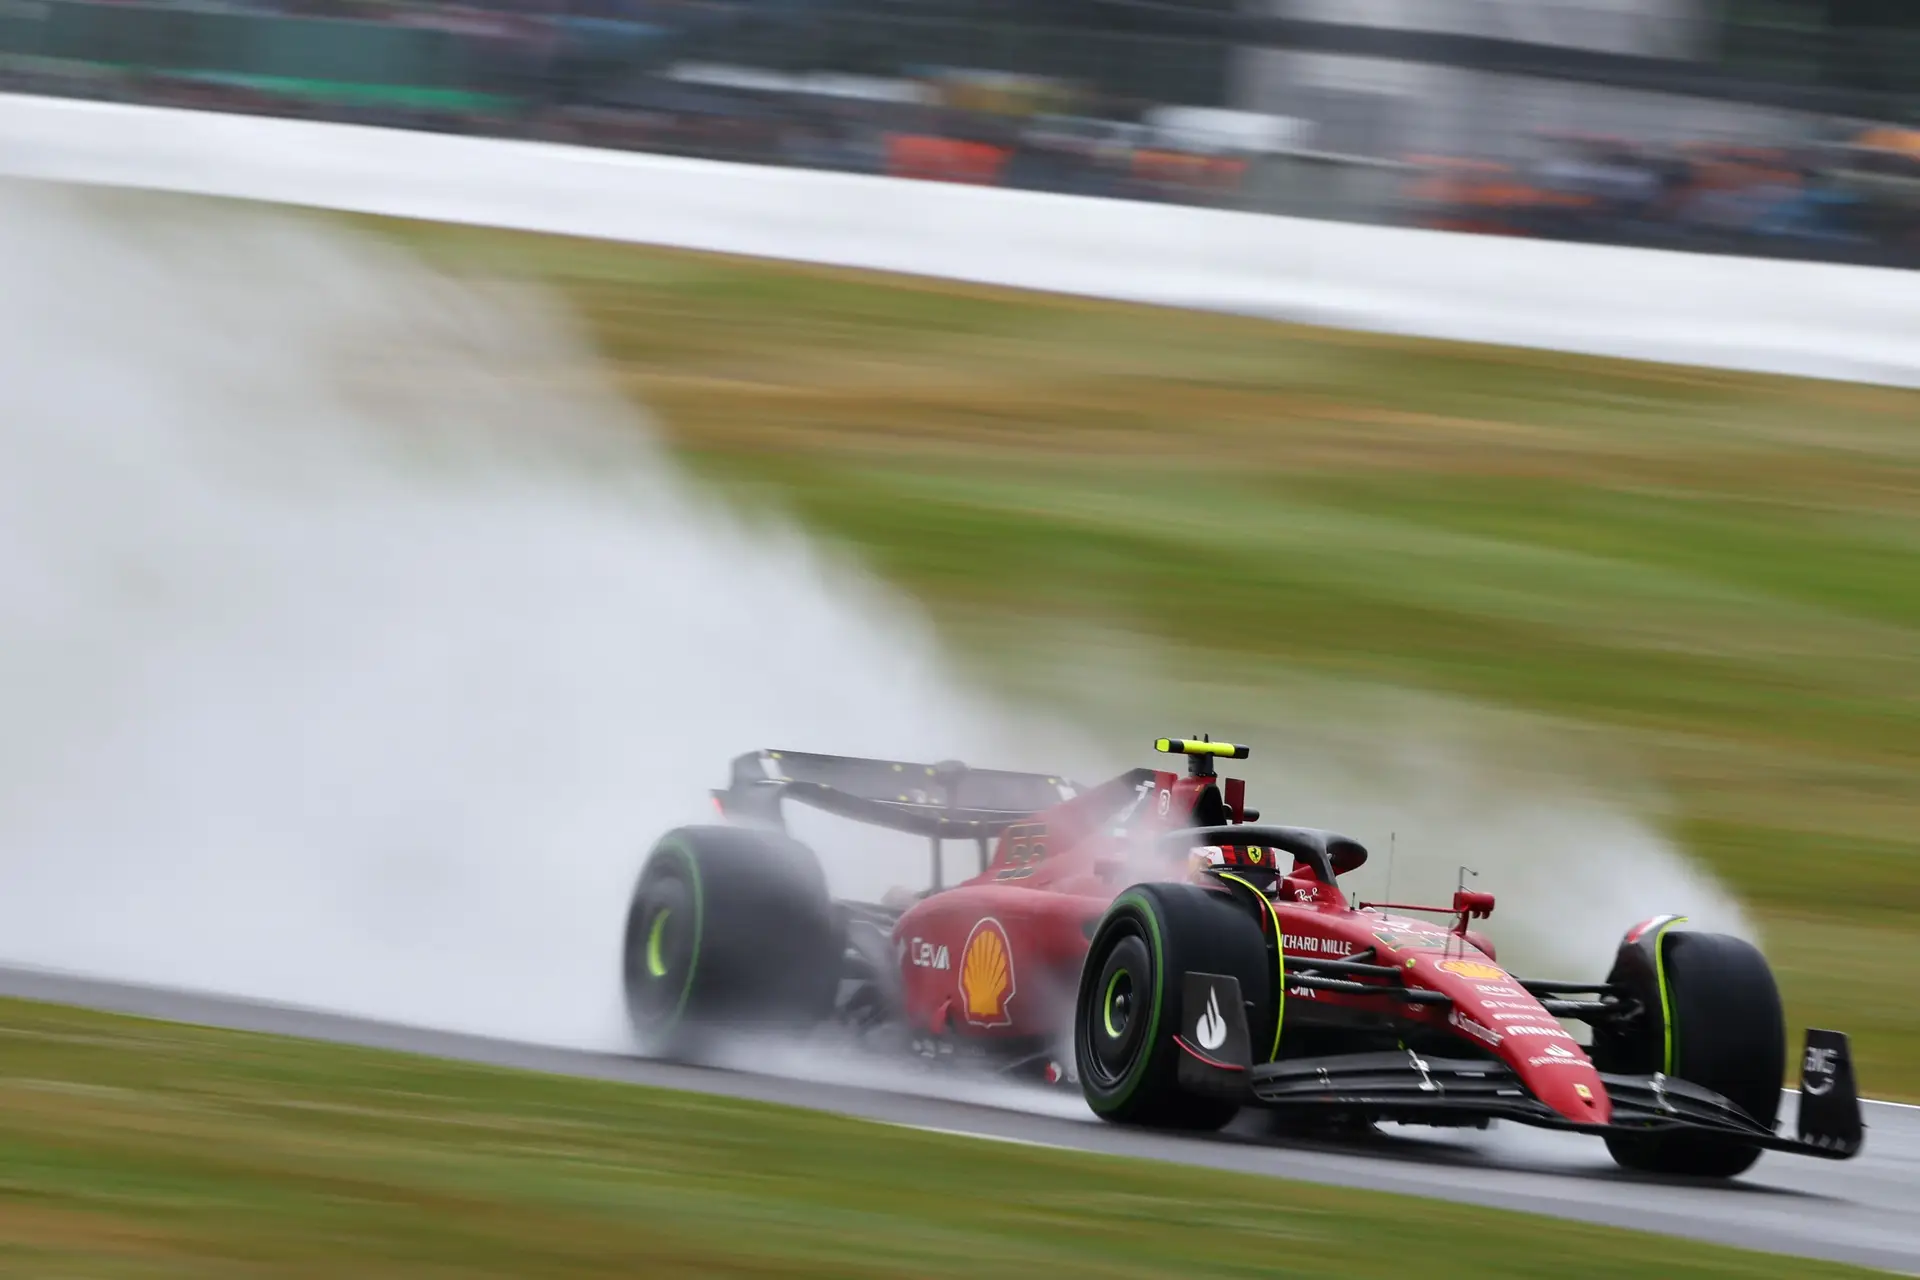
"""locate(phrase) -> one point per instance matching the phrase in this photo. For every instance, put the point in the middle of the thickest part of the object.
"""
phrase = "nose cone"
(1491, 1007)
(1561, 1075)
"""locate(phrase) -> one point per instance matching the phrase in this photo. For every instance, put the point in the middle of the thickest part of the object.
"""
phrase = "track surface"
(1860, 1211)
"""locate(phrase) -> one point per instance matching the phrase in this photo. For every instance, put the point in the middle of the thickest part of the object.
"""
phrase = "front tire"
(1127, 1012)
(730, 928)
(1728, 1034)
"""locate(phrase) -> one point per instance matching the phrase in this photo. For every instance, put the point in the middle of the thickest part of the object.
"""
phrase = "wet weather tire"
(730, 928)
(1128, 1009)
(1728, 1035)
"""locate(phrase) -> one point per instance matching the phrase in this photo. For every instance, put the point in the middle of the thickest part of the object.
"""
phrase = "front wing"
(1424, 1089)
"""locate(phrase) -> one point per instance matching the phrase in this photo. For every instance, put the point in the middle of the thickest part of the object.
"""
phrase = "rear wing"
(944, 801)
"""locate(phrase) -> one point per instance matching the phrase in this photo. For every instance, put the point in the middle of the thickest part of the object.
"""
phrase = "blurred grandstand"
(1772, 127)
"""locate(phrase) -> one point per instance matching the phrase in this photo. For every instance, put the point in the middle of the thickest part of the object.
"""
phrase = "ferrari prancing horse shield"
(986, 975)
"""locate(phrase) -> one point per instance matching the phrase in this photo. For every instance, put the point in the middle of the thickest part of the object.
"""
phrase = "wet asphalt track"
(1866, 1210)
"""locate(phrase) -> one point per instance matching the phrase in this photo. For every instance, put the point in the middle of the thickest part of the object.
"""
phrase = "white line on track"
(969, 1133)
(1872, 1102)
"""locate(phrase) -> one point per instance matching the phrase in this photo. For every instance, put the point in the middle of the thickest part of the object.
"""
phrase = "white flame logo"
(1212, 1030)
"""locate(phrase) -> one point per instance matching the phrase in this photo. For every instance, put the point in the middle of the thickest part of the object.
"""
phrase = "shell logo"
(986, 975)
(1474, 969)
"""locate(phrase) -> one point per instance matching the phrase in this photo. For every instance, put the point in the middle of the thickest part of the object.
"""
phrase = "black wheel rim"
(1113, 1027)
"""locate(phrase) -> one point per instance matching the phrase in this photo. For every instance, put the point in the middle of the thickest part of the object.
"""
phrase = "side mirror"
(1472, 906)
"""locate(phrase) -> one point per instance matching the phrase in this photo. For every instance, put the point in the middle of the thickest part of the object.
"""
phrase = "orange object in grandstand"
(1457, 194)
(1887, 138)
(937, 159)
(1185, 169)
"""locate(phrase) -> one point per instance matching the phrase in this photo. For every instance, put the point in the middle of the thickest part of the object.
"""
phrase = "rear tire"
(1729, 1035)
(730, 928)
(1128, 1009)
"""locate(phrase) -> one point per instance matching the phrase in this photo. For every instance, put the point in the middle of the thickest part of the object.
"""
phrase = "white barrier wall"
(1841, 322)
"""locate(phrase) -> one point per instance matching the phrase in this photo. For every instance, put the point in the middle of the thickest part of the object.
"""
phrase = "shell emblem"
(986, 975)
(1474, 969)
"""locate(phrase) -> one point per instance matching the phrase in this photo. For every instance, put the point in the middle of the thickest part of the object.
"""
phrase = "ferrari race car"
(1150, 938)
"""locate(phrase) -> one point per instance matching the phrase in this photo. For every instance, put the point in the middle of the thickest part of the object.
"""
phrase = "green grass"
(142, 1149)
(1715, 577)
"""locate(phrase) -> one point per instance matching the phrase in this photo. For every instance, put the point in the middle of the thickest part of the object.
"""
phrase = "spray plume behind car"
(357, 632)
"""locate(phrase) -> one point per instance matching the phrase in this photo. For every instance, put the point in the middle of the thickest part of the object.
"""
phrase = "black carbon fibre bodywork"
(1412, 1088)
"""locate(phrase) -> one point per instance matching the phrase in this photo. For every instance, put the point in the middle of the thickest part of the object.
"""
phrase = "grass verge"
(139, 1149)
(1712, 572)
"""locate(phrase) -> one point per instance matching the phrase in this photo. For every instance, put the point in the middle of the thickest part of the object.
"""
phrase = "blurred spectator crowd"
(1853, 197)
(616, 73)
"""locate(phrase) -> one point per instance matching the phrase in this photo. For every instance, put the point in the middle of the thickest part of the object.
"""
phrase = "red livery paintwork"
(1050, 881)
(1153, 938)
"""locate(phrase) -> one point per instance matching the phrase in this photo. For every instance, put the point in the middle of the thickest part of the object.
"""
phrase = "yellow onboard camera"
(1201, 753)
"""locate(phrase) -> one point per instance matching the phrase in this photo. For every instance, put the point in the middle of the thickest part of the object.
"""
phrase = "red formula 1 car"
(1151, 938)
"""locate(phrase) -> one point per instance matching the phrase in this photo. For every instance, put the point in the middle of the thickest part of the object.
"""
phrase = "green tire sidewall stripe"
(1106, 1003)
(1666, 997)
(678, 851)
(656, 935)
(1157, 946)
(1280, 961)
